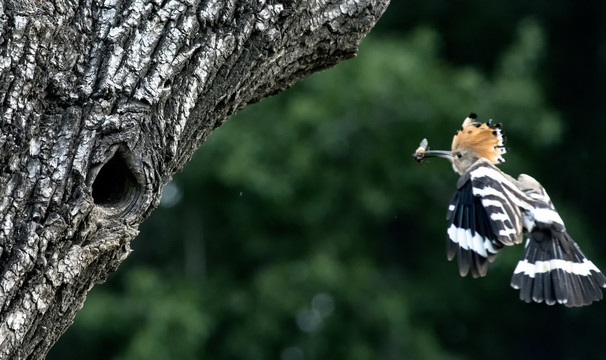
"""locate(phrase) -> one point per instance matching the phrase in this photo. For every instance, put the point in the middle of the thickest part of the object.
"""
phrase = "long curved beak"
(421, 154)
(438, 153)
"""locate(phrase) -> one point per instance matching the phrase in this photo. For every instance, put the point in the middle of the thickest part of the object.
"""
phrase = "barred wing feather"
(491, 210)
(484, 216)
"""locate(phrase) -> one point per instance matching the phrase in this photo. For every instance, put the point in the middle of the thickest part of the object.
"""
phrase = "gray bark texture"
(102, 101)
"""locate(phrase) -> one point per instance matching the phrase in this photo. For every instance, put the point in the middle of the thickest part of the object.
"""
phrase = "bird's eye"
(459, 155)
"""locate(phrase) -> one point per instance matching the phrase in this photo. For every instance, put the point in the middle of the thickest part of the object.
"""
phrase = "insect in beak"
(423, 151)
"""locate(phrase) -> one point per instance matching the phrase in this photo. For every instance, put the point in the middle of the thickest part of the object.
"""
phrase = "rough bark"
(101, 102)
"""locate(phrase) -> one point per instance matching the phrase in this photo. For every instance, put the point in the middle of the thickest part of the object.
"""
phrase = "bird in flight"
(491, 209)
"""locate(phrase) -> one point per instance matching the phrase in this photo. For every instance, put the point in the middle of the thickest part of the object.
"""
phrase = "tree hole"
(115, 185)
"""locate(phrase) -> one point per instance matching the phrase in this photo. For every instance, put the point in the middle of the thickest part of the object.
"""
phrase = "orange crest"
(484, 139)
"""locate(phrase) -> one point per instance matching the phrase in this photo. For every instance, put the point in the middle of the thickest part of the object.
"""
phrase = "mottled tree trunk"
(102, 101)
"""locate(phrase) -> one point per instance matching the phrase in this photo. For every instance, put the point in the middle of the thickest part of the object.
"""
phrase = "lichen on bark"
(101, 102)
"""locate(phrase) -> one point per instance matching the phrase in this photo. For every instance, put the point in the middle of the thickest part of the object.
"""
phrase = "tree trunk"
(102, 101)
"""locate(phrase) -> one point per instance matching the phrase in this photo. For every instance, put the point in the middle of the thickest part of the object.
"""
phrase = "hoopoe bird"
(491, 209)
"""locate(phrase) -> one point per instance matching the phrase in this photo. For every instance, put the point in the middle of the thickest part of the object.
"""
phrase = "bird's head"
(474, 141)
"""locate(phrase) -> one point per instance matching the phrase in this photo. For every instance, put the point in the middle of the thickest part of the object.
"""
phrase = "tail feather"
(548, 291)
(545, 291)
(553, 269)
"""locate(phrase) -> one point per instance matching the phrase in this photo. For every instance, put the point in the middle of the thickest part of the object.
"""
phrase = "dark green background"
(303, 229)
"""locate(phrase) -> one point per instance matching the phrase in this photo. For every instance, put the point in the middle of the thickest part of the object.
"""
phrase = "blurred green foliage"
(303, 229)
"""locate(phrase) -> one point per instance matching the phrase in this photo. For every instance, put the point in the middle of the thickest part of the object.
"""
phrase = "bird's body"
(491, 210)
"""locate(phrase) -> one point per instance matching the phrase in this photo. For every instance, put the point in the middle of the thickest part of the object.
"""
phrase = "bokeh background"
(303, 229)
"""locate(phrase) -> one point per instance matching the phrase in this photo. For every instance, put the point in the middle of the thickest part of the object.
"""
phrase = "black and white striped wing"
(485, 215)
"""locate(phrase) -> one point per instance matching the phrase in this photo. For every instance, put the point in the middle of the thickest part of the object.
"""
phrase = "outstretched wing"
(485, 215)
